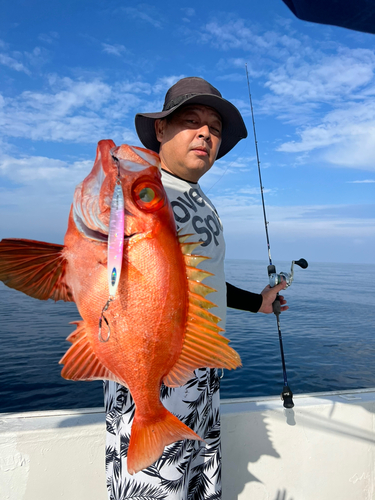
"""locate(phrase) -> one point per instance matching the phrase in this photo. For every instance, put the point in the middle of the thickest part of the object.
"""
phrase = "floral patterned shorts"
(188, 469)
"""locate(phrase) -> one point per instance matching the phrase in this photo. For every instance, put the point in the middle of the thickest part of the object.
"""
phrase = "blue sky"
(75, 72)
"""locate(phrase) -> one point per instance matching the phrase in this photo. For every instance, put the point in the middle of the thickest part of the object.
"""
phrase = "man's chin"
(200, 163)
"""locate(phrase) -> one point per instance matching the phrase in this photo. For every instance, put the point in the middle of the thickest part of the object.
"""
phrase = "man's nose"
(204, 132)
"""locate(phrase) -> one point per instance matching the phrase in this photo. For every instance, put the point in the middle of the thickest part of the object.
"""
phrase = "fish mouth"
(99, 236)
(129, 236)
(92, 234)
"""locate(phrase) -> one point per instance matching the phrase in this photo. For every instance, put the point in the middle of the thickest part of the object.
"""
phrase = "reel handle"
(301, 263)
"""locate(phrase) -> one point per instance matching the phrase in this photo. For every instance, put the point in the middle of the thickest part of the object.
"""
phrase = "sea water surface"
(328, 335)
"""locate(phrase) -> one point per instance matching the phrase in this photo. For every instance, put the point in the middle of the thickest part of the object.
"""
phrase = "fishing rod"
(274, 278)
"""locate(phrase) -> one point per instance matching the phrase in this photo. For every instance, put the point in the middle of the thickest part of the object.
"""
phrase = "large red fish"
(160, 327)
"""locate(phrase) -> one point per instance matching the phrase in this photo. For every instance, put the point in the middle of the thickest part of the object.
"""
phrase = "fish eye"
(148, 196)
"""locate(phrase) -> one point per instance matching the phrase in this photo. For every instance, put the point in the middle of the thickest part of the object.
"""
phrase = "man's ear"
(159, 129)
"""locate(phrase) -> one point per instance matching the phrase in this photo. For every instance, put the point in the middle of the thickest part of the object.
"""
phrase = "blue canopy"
(356, 15)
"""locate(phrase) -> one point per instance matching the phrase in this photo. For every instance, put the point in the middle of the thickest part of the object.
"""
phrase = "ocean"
(328, 335)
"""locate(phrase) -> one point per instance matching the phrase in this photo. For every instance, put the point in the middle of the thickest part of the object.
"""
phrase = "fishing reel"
(275, 278)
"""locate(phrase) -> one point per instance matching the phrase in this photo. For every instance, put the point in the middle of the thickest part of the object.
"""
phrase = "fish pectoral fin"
(148, 439)
(203, 347)
(35, 268)
(80, 361)
(201, 350)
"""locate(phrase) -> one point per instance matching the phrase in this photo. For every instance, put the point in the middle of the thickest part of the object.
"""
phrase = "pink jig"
(115, 250)
(115, 239)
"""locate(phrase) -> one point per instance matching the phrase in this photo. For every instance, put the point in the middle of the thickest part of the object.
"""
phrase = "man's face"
(189, 141)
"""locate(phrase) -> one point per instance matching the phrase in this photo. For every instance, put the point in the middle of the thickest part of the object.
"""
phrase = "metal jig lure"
(115, 248)
(274, 278)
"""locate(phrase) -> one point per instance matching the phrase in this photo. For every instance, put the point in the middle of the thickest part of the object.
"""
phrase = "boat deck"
(322, 449)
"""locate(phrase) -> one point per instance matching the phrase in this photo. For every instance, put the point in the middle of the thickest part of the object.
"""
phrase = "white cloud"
(12, 63)
(366, 181)
(313, 138)
(81, 110)
(22, 61)
(225, 170)
(135, 87)
(145, 12)
(188, 11)
(231, 77)
(324, 88)
(253, 191)
(240, 162)
(357, 150)
(37, 57)
(332, 101)
(49, 37)
(116, 49)
(232, 35)
(36, 205)
(347, 137)
(331, 78)
(32, 171)
(239, 34)
(243, 106)
(164, 83)
(128, 136)
(74, 111)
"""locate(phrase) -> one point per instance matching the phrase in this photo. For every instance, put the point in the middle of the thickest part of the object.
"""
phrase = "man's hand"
(269, 297)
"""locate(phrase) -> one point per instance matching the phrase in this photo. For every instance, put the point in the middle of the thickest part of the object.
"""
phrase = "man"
(196, 127)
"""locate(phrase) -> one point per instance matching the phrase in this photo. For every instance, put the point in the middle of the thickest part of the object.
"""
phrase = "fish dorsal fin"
(35, 268)
(203, 345)
(80, 361)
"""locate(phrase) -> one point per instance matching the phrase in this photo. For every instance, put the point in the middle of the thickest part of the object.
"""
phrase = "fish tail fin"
(147, 440)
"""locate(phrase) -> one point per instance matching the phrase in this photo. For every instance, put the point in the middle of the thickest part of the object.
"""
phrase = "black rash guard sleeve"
(242, 299)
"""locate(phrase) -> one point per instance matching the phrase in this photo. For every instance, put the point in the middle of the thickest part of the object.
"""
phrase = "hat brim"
(233, 130)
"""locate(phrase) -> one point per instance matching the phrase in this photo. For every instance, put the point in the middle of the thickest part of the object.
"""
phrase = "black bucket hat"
(194, 90)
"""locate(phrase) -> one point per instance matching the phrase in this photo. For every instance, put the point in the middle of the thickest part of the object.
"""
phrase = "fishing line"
(274, 278)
